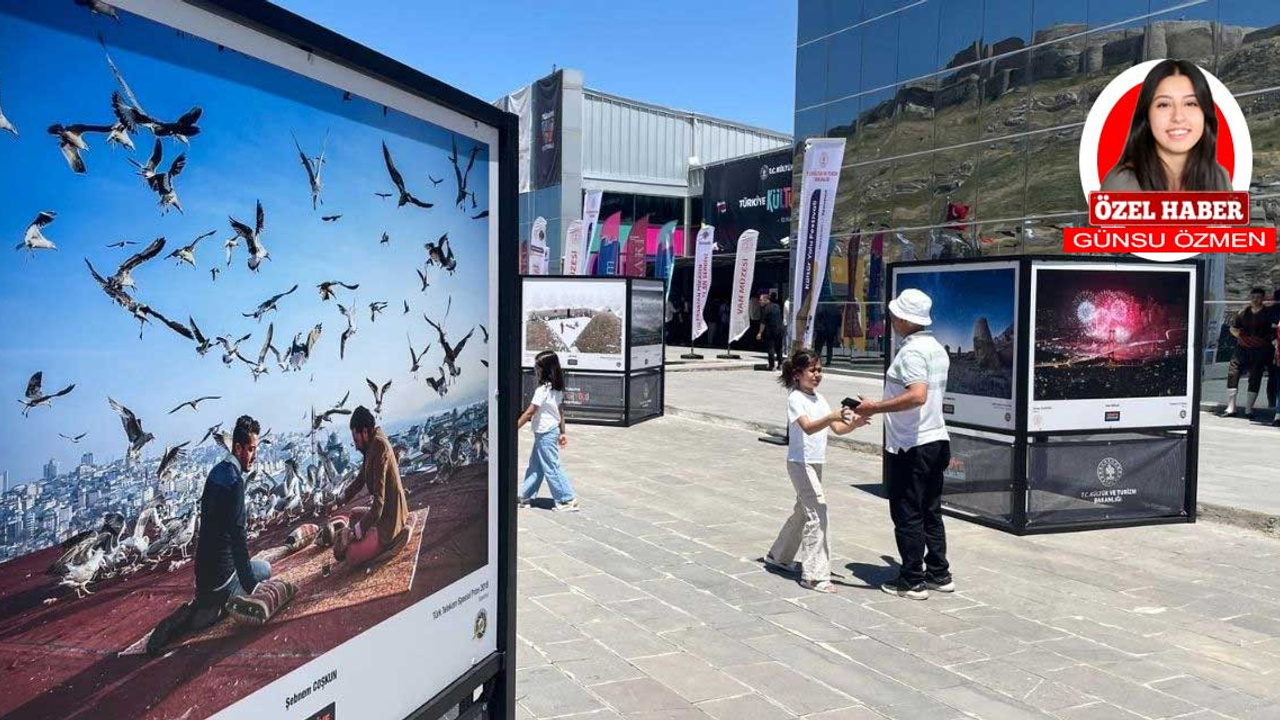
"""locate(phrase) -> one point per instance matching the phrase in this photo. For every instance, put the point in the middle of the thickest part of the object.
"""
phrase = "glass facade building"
(963, 119)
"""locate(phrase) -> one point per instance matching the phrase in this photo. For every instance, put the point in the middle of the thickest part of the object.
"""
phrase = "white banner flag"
(590, 218)
(702, 278)
(538, 260)
(823, 158)
(575, 250)
(744, 272)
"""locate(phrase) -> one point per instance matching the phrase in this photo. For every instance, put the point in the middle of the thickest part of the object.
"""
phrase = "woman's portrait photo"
(1173, 140)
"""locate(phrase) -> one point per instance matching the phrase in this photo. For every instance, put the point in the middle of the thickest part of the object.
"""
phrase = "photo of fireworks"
(1103, 334)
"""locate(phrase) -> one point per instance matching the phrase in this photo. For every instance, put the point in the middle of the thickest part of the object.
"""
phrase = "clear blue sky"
(733, 59)
(986, 294)
(57, 320)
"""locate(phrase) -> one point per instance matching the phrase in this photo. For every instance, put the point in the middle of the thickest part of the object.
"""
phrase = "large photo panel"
(975, 319)
(212, 224)
(1111, 345)
(584, 321)
(648, 301)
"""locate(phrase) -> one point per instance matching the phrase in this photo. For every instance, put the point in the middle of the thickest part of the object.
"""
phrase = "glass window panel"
(1043, 236)
(914, 118)
(875, 123)
(879, 52)
(1002, 178)
(876, 8)
(1003, 238)
(954, 188)
(811, 123)
(1107, 12)
(811, 74)
(960, 37)
(845, 217)
(1006, 26)
(1057, 83)
(907, 245)
(1006, 95)
(957, 104)
(1053, 180)
(918, 56)
(1055, 19)
(845, 64)
(813, 20)
(877, 196)
(843, 13)
(913, 199)
(1262, 113)
(842, 121)
(1246, 44)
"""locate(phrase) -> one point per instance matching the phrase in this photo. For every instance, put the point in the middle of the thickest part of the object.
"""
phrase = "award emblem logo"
(482, 624)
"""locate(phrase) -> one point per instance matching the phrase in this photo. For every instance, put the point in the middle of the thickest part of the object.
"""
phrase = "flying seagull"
(440, 384)
(379, 394)
(451, 352)
(375, 308)
(71, 142)
(231, 350)
(384, 196)
(132, 430)
(74, 439)
(415, 359)
(300, 351)
(480, 215)
(173, 325)
(260, 368)
(171, 455)
(252, 238)
(386, 239)
(317, 421)
(187, 253)
(193, 403)
(406, 307)
(439, 253)
(98, 7)
(313, 167)
(434, 181)
(269, 305)
(213, 273)
(331, 218)
(36, 397)
(123, 277)
(33, 239)
(129, 112)
(122, 244)
(458, 173)
(327, 291)
(422, 277)
(162, 182)
(120, 297)
(6, 125)
(208, 434)
(398, 180)
(347, 333)
(202, 343)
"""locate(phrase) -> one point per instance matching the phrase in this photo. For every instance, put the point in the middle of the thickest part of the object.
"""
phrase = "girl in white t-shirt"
(548, 436)
(803, 544)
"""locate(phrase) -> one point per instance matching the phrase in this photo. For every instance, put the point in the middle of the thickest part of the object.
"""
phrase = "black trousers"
(915, 504)
(773, 346)
(1248, 361)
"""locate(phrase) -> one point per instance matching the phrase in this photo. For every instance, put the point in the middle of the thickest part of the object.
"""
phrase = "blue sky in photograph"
(733, 59)
(56, 319)
(962, 299)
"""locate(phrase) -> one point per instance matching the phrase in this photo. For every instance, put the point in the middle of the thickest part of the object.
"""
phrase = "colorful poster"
(539, 255)
(666, 258)
(575, 253)
(744, 272)
(702, 278)
(1111, 345)
(823, 159)
(609, 258)
(590, 221)
(255, 276)
(583, 320)
(635, 247)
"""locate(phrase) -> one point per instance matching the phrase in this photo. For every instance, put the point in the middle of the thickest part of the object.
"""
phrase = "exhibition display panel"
(608, 334)
(227, 216)
(1072, 388)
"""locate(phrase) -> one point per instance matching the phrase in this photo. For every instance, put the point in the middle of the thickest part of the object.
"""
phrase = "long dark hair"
(549, 370)
(1201, 170)
(799, 361)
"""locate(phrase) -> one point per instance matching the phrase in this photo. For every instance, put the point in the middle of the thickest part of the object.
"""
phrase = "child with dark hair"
(803, 544)
(548, 436)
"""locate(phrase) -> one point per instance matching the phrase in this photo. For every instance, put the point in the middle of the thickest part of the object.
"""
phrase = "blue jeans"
(209, 604)
(544, 461)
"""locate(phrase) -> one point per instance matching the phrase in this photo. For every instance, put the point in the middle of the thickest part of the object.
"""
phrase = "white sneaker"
(570, 506)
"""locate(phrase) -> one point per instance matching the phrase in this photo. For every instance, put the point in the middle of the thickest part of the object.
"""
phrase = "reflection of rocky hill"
(539, 336)
(603, 335)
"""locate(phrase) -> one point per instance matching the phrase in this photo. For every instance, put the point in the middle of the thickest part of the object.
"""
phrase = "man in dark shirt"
(772, 329)
(1252, 330)
(223, 568)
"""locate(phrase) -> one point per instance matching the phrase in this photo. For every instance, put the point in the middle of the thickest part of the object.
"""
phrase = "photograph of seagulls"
(7, 126)
(137, 405)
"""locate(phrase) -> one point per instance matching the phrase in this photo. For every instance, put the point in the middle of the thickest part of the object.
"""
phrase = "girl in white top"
(803, 544)
(548, 436)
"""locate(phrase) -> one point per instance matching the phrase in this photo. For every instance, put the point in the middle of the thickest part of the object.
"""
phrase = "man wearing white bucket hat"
(917, 448)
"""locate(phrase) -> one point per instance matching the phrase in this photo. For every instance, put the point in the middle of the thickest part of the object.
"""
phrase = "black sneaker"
(944, 585)
(902, 589)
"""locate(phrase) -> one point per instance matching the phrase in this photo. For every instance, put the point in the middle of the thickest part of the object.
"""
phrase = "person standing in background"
(1253, 331)
(773, 331)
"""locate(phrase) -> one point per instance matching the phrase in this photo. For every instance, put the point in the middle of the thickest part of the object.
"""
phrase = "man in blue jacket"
(223, 567)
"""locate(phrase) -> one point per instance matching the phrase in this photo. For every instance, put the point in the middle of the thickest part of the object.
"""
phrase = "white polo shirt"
(920, 359)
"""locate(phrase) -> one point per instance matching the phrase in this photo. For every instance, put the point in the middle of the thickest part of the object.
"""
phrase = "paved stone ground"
(650, 604)
(1239, 460)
